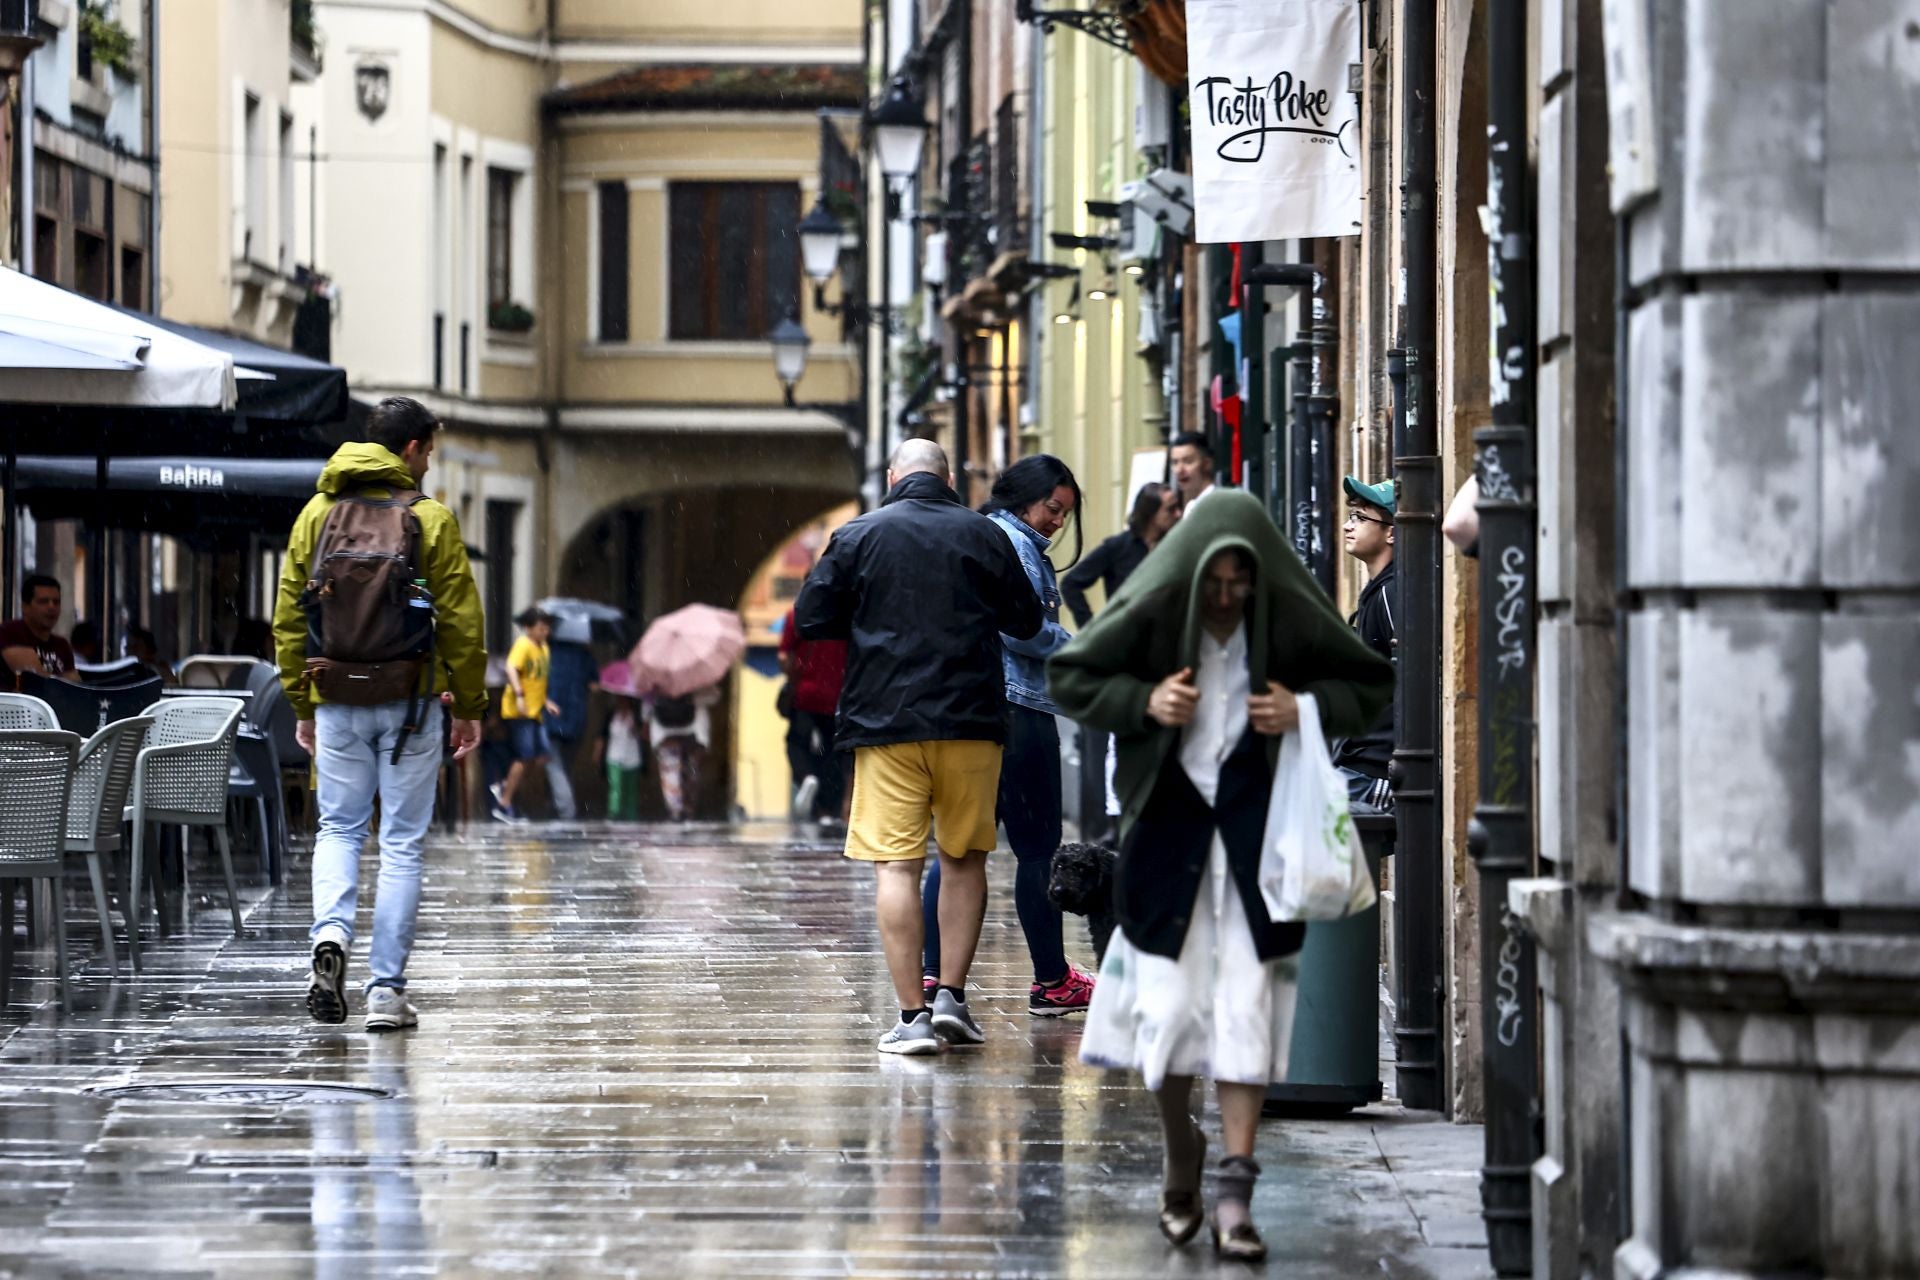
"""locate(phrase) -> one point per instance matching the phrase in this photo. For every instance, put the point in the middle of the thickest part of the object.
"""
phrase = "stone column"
(1768, 971)
(1575, 1182)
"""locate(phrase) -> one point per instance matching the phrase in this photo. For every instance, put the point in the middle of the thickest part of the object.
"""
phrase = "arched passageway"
(690, 522)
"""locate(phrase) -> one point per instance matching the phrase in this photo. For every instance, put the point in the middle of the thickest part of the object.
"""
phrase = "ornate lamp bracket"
(1106, 24)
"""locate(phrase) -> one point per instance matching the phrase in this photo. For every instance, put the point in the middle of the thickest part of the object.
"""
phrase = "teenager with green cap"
(1194, 667)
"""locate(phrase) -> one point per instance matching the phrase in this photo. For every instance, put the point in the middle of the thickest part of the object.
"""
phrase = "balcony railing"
(970, 194)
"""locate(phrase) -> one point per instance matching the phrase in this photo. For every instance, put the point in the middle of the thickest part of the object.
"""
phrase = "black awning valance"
(244, 477)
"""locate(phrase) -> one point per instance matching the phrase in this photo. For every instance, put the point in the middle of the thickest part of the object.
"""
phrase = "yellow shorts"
(902, 788)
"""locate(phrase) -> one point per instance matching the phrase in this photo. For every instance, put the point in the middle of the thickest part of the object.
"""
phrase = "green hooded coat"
(459, 649)
(1151, 629)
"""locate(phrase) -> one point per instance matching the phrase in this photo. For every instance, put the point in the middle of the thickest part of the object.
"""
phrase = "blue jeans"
(354, 761)
(1029, 808)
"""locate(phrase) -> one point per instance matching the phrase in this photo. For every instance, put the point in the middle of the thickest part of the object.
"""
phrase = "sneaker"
(952, 1022)
(498, 791)
(916, 1037)
(388, 1010)
(803, 798)
(1072, 994)
(929, 983)
(327, 985)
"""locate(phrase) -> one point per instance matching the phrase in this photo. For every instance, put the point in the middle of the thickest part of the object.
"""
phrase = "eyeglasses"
(1354, 517)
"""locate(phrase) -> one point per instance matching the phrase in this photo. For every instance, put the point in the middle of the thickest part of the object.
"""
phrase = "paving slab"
(643, 1051)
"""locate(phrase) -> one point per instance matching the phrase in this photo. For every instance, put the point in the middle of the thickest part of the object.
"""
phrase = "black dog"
(1081, 883)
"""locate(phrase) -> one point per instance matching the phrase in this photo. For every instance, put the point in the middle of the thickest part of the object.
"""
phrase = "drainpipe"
(153, 156)
(960, 333)
(1419, 906)
(1500, 837)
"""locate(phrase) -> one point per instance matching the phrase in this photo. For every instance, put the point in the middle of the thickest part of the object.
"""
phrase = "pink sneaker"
(1072, 994)
(929, 983)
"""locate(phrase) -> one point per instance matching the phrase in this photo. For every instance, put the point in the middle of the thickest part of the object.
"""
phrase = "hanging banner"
(1276, 129)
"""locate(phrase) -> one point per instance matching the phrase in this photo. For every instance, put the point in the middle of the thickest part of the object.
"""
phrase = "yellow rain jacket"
(459, 647)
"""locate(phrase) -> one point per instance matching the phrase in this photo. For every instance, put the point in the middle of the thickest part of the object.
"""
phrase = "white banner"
(1276, 131)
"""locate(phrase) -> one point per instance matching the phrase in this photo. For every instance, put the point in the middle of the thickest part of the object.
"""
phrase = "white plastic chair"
(22, 714)
(36, 779)
(96, 815)
(181, 778)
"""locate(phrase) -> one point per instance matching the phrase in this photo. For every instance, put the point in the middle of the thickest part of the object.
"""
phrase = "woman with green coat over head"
(1194, 667)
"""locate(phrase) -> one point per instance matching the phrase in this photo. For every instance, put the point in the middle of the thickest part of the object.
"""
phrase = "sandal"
(1234, 1182)
(1181, 1212)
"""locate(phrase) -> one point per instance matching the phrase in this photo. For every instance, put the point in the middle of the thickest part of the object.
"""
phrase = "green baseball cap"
(1380, 495)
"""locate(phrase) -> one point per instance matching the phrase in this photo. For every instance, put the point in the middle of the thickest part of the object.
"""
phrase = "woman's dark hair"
(398, 421)
(1030, 480)
(1146, 505)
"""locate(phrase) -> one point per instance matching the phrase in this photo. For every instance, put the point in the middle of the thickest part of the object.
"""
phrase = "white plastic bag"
(1311, 864)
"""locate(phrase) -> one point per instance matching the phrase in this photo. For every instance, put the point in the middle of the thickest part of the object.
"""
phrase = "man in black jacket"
(922, 589)
(1363, 759)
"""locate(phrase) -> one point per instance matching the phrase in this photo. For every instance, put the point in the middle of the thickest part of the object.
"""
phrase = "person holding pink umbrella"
(680, 662)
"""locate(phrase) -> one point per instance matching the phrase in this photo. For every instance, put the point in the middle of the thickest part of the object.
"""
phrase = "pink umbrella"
(617, 678)
(687, 650)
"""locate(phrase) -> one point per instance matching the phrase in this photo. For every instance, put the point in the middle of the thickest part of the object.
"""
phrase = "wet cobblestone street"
(642, 1051)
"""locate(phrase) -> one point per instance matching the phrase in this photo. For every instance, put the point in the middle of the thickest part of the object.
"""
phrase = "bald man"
(921, 590)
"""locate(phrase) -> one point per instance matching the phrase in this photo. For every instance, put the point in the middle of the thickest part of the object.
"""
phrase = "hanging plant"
(108, 43)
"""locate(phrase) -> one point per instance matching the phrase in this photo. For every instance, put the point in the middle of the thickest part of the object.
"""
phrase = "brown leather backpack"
(369, 614)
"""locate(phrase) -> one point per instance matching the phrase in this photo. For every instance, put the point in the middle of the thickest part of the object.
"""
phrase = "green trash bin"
(1334, 1062)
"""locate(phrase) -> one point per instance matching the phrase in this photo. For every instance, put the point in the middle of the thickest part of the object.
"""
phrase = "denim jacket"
(1025, 661)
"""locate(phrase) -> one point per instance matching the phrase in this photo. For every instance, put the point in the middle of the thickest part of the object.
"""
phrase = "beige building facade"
(233, 148)
(570, 231)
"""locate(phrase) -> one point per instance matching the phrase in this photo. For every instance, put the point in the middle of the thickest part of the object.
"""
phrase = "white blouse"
(1220, 717)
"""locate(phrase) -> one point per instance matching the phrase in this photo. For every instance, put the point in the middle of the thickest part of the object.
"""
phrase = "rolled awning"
(155, 368)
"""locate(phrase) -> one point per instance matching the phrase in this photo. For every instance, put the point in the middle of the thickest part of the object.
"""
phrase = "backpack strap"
(422, 697)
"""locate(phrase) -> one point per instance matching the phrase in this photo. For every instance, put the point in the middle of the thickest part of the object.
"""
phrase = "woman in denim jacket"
(1031, 501)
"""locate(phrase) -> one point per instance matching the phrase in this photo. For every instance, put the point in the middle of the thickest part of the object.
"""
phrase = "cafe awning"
(58, 340)
(276, 385)
(203, 501)
(245, 477)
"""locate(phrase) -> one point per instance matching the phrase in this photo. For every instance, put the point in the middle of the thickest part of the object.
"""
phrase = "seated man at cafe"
(28, 642)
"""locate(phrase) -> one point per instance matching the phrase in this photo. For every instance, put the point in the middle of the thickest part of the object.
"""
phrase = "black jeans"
(825, 764)
(1029, 808)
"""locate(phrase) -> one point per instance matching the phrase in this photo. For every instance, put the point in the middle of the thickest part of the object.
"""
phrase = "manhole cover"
(256, 1093)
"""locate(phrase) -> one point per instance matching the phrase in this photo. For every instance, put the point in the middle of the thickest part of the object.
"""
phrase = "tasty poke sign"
(1275, 127)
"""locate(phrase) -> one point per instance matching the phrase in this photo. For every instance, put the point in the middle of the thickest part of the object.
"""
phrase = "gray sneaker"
(388, 1010)
(327, 983)
(952, 1022)
(914, 1037)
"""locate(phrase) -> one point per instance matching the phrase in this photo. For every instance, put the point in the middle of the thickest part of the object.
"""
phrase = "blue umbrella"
(581, 621)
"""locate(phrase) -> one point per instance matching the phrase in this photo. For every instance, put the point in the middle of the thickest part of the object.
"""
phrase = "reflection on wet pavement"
(642, 1051)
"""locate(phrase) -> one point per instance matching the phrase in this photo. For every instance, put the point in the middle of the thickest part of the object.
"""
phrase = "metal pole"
(1500, 836)
(1253, 418)
(1419, 904)
(956, 201)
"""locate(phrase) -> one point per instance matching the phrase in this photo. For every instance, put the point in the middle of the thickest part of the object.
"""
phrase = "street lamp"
(790, 343)
(820, 234)
(899, 131)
